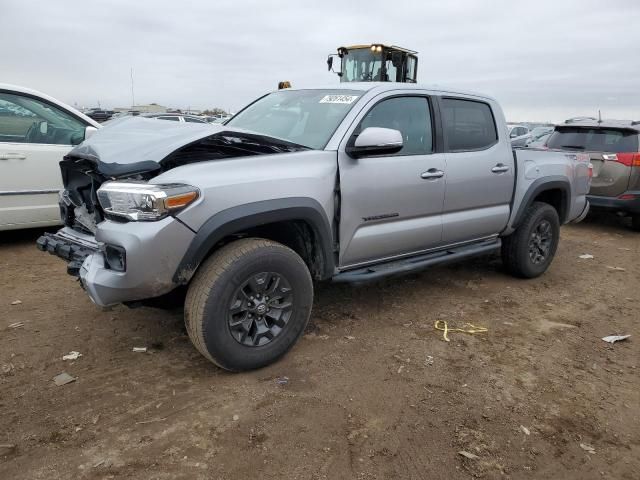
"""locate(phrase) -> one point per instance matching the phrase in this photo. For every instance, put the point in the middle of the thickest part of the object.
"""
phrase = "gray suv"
(349, 184)
(613, 146)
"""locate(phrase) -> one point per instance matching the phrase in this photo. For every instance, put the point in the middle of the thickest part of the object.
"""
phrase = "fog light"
(115, 258)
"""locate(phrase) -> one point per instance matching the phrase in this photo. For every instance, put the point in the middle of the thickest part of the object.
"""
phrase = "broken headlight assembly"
(144, 201)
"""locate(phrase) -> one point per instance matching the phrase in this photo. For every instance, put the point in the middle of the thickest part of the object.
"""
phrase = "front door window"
(24, 119)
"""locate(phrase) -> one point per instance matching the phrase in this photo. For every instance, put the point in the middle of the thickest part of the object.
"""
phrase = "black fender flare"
(542, 185)
(242, 217)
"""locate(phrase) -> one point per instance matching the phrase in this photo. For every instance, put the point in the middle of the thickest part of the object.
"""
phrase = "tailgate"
(610, 177)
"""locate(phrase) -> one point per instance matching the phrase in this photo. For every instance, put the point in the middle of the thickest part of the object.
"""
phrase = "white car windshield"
(305, 117)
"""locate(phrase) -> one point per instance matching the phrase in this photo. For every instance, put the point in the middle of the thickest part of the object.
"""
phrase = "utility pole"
(133, 99)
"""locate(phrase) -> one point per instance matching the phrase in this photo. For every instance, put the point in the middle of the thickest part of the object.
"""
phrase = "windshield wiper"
(576, 147)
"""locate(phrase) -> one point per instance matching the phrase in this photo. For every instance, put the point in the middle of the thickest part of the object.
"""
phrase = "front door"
(34, 137)
(391, 204)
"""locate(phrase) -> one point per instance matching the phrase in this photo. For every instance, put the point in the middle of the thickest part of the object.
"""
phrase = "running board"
(419, 262)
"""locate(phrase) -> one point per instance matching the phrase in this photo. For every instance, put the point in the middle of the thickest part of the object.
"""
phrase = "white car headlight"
(144, 201)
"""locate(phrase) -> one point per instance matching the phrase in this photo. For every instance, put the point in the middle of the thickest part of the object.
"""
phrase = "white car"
(36, 131)
(519, 135)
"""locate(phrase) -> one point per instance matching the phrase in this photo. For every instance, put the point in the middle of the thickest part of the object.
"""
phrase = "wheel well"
(298, 235)
(555, 197)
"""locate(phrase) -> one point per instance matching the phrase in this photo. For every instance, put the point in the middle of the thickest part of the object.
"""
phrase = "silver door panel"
(483, 222)
(393, 238)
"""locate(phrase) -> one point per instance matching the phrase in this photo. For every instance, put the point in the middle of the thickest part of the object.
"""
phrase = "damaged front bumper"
(153, 252)
(72, 246)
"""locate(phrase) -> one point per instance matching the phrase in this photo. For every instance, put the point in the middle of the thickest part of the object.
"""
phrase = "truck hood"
(134, 145)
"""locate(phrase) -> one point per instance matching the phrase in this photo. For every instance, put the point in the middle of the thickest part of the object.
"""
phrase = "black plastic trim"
(438, 137)
(515, 180)
(242, 217)
(542, 185)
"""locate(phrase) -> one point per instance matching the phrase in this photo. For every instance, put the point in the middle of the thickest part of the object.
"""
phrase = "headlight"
(144, 201)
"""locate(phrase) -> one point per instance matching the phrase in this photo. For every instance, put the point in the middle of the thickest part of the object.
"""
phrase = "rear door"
(480, 171)
(611, 151)
(391, 205)
(34, 137)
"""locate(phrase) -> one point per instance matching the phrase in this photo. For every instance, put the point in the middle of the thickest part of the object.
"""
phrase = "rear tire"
(635, 223)
(528, 252)
(248, 303)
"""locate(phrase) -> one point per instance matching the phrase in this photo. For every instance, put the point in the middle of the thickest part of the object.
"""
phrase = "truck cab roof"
(380, 87)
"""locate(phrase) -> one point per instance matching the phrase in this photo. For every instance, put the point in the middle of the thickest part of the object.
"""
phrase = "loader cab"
(375, 63)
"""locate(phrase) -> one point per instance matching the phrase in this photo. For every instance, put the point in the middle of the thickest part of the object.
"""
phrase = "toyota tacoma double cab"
(349, 184)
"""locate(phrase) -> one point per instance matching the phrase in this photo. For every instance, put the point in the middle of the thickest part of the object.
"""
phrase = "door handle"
(13, 156)
(500, 168)
(432, 173)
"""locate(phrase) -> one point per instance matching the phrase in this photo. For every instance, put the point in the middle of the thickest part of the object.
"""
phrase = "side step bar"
(419, 262)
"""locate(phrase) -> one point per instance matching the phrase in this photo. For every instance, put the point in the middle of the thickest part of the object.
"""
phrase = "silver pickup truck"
(350, 184)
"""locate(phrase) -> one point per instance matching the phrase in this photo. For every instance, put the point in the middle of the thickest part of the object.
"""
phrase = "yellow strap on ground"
(466, 328)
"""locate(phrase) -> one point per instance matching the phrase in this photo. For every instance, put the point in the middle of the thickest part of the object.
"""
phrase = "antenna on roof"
(133, 99)
(599, 117)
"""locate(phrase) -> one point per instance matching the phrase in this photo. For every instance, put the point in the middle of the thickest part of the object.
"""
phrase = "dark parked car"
(613, 146)
(100, 115)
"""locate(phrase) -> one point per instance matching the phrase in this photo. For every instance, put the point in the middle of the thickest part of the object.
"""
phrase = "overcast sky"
(543, 60)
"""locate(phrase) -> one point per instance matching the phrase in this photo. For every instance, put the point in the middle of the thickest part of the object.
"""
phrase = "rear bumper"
(153, 252)
(629, 205)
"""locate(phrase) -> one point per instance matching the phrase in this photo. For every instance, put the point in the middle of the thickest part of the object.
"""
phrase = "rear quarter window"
(468, 125)
(594, 139)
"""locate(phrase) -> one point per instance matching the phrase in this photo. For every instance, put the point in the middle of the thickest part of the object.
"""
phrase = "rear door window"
(468, 125)
(594, 139)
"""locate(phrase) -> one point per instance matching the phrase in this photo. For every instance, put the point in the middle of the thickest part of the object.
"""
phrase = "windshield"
(362, 65)
(594, 139)
(305, 117)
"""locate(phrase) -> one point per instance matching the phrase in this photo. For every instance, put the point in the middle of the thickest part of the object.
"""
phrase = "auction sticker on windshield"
(338, 99)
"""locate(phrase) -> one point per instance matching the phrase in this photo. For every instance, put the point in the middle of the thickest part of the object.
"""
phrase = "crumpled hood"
(133, 144)
(134, 139)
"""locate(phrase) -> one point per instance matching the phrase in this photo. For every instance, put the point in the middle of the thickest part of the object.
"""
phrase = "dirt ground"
(371, 391)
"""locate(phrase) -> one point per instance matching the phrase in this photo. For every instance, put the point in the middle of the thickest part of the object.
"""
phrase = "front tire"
(248, 303)
(528, 252)
(635, 223)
